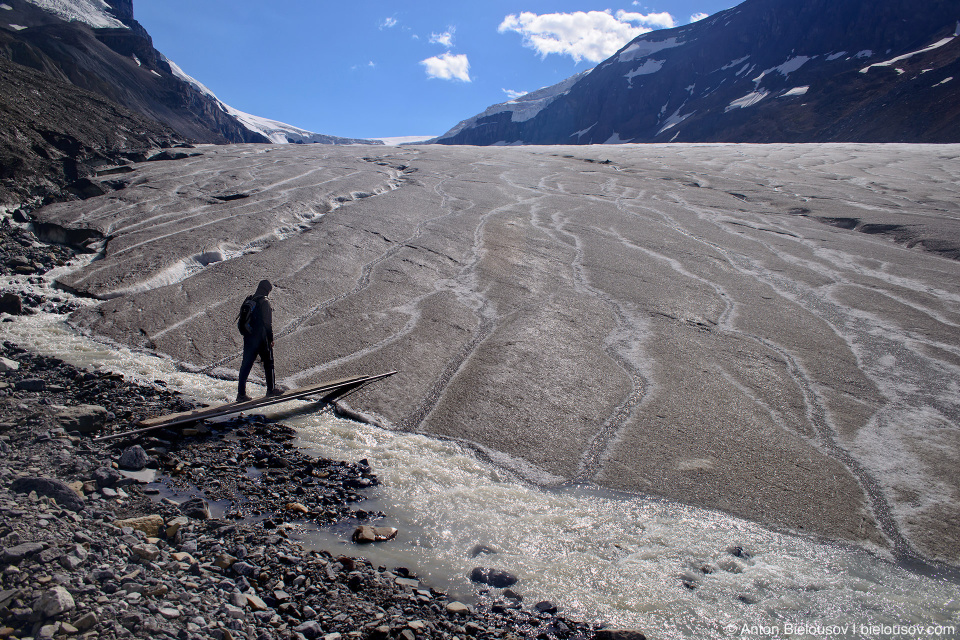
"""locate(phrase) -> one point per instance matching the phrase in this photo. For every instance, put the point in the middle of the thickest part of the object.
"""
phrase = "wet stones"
(497, 578)
(366, 534)
(11, 303)
(196, 508)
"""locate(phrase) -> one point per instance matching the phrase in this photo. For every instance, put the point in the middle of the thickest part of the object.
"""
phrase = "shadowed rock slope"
(764, 71)
(54, 136)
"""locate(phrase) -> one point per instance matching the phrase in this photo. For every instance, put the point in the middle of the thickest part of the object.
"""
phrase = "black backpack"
(245, 317)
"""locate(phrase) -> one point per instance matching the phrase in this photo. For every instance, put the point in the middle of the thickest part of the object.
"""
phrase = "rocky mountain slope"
(764, 71)
(54, 137)
(99, 46)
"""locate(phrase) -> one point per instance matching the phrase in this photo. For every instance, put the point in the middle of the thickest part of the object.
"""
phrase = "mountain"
(97, 45)
(763, 71)
(47, 153)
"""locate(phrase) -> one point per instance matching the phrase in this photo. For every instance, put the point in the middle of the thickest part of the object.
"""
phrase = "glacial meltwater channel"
(668, 569)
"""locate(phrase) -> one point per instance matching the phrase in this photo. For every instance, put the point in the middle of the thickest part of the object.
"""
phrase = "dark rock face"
(764, 71)
(122, 66)
(48, 153)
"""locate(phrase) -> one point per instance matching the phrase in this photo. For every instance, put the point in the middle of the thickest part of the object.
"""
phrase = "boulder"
(457, 608)
(366, 534)
(85, 418)
(14, 555)
(310, 629)
(255, 602)
(54, 602)
(150, 525)
(31, 384)
(8, 365)
(56, 489)
(494, 577)
(148, 552)
(11, 303)
(106, 477)
(134, 458)
(196, 508)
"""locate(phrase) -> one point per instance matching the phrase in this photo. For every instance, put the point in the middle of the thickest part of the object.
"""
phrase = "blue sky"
(369, 68)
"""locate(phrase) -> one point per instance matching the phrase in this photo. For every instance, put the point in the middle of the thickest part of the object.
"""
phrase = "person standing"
(255, 322)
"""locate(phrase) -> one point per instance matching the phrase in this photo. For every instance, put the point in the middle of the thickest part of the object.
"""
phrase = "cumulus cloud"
(448, 66)
(445, 38)
(590, 35)
(661, 20)
(699, 16)
(386, 23)
(513, 95)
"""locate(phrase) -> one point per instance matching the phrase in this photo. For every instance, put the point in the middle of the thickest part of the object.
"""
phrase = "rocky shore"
(191, 533)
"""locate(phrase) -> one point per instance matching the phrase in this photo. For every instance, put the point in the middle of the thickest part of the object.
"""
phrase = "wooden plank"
(195, 415)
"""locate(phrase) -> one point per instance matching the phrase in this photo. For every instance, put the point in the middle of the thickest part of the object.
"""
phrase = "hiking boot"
(274, 392)
(242, 397)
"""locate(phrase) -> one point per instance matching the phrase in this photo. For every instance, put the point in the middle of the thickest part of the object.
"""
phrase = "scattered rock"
(457, 608)
(14, 555)
(494, 577)
(366, 534)
(196, 508)
(31, 384)
(55, 601)
(134, 458)
(106, 477)
(56, 489)
(150, 524)
(148, 552)
(11, 303)
(85, 418)
(7, 364)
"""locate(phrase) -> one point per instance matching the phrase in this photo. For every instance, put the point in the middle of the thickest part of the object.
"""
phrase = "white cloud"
(661, 20)
(445, 38)
(590, 35)
(448, 66)
(513, 95)
(699, 16)
(386, 23)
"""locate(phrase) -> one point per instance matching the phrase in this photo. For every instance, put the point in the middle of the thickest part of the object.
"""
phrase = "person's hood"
(264, 288)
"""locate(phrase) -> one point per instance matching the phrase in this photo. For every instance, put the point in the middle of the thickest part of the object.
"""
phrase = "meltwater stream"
(671, 570)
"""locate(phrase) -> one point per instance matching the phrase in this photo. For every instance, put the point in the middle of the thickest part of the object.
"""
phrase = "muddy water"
(673, 570)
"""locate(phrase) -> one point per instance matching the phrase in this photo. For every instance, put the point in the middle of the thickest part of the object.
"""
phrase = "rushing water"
(666, 568)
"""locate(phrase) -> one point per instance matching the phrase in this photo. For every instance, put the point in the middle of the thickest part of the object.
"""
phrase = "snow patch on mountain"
(523, 108)
(180, 73)
(644, 48)
(648, 67)
(786, 68)
(95, 13)
(891, 61)
(796, 91)
(274, 130)
(674, 119)
(748, 100)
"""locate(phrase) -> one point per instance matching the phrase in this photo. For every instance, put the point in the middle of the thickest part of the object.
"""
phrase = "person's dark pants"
(251, 349)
